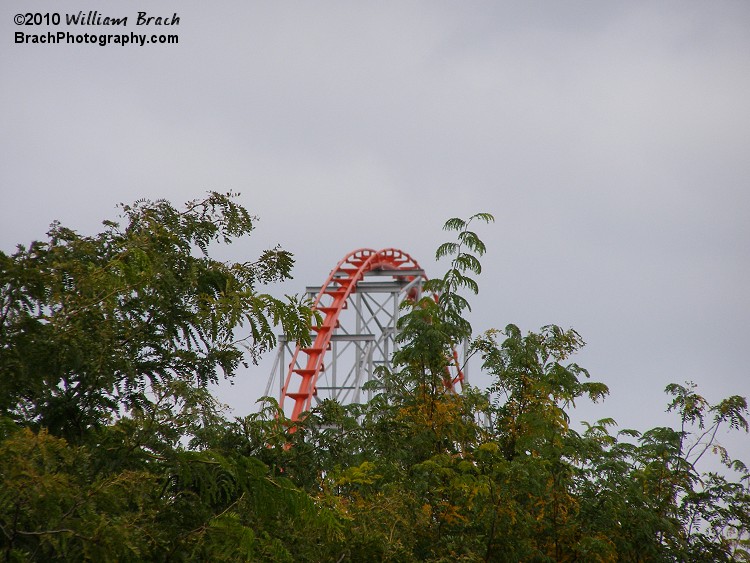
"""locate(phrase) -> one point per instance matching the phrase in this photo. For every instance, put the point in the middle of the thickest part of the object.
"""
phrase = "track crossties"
(373, 328)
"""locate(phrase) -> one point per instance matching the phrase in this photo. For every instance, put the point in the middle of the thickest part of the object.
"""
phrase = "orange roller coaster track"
(373, 333)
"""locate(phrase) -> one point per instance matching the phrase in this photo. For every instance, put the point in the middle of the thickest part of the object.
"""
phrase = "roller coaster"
(359, 304)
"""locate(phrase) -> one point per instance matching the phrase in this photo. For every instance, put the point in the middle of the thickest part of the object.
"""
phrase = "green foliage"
(92, 325)
(510, 479)
(113, 449)
(107, 346)
(465, 253)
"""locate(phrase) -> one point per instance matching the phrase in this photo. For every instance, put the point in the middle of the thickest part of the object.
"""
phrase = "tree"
(135, 317)
(426, 475)
(112, 448)
(107, 346)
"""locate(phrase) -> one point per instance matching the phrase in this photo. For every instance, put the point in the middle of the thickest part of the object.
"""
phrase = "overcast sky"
(611, 140)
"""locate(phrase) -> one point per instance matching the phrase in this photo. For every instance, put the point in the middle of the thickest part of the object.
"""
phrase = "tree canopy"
(113, 449)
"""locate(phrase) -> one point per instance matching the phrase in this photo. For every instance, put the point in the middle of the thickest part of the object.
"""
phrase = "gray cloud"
(609, 139)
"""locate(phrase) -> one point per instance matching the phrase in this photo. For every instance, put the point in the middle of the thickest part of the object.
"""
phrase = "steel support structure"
(359, 303)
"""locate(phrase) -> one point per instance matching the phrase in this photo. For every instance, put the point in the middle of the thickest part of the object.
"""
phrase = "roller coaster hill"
(359, 303)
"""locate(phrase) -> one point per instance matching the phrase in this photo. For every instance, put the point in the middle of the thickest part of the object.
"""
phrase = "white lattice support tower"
(360, 303)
